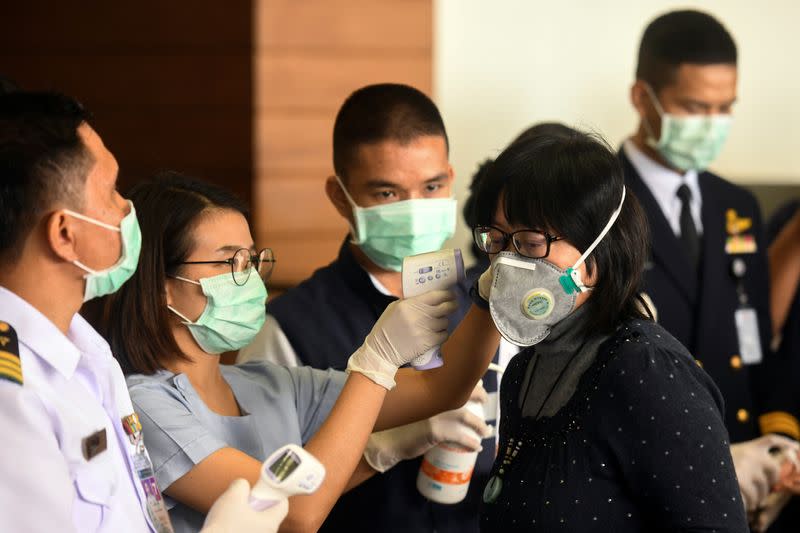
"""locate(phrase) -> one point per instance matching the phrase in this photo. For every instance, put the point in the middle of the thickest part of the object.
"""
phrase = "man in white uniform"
(73, 457)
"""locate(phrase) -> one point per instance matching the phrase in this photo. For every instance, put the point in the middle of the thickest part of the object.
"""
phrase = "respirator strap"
(571, 281)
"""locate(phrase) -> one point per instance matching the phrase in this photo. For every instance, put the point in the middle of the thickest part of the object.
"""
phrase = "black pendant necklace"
(495, 485)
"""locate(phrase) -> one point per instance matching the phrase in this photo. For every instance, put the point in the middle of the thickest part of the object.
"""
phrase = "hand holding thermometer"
(288, 471)
(428, 272)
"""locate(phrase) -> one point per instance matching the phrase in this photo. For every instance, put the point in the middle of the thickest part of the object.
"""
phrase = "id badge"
(156, 507)
(749, 338)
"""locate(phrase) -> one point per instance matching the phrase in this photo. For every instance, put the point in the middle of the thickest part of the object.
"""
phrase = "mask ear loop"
(90, 220)
(660, 110)
(354, 205)
(181, 315)
(571, 281)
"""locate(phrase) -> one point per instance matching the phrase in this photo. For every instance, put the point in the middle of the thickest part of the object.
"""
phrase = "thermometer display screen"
(284, 465)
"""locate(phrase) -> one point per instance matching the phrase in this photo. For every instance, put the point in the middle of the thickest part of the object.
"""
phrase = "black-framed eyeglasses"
(243, 263)
(530, 243)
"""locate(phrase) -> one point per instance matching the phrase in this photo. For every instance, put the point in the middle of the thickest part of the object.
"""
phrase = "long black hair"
(135, 319)
(569, 185)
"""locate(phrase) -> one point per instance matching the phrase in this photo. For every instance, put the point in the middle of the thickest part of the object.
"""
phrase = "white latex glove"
(387, 448)
(768, 511)
(757, 469)
(231, 513)
(406, 329)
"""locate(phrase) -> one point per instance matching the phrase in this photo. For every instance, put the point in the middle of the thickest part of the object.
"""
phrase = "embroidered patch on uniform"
(740, 244)
(94, 444)
(10, 367)
(736, 225)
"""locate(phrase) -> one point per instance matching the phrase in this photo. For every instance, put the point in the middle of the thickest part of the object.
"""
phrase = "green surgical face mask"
(689, 142)
(389, 232)
(233, 314)
(109, 280)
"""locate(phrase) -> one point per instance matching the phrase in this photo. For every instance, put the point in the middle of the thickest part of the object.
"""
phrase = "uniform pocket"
(95, 486)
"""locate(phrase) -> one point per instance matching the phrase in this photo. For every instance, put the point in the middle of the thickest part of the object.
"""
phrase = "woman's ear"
(169, 286)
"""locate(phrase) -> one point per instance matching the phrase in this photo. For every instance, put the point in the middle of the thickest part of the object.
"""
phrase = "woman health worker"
(198, 292)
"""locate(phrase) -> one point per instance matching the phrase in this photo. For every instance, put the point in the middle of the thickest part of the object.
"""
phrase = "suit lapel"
(666, 249)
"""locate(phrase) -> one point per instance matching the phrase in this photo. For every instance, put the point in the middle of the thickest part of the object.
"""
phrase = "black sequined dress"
(640, 446)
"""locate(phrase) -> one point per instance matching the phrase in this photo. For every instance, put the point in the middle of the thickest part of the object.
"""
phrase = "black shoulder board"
(10, 368)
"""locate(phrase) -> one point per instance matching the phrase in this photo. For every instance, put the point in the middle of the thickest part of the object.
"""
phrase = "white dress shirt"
(663, 183)
(72, 388)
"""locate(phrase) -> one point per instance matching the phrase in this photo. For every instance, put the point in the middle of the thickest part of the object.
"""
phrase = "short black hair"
(43, 162)
(168, 207)
(680, 37)
(570, 186)
(553, 129)
(381, 112)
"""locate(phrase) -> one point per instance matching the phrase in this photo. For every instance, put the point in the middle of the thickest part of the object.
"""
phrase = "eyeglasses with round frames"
(243, 262)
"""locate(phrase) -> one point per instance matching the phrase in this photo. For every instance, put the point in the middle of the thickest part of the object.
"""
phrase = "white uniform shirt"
(663, 184)
(72, 389)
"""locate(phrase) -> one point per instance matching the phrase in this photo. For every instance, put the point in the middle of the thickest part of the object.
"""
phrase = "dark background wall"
(169, 83)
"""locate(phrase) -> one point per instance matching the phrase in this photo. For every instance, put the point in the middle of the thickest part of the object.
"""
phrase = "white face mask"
(530, 296)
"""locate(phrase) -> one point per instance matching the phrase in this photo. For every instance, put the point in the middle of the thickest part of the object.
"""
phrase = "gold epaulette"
(10, 367)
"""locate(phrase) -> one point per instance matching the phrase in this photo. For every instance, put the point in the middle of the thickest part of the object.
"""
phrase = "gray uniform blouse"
(280, 405)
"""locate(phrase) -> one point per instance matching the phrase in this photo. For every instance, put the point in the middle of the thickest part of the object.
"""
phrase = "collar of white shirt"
(380, 287)
(42, 337)
(663, 183)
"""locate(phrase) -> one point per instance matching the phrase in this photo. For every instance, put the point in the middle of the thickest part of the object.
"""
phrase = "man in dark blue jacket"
(393, 185)
(708, 276)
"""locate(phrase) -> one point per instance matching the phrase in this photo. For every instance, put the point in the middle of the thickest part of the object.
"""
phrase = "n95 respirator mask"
(530, 296)
(527, 299)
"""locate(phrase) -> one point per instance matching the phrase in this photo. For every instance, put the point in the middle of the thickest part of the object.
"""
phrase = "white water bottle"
(446, 469)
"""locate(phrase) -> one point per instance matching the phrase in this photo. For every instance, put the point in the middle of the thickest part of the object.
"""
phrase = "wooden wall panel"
(299, 81)
(391, 25)
(295, 142)
(309, 56)
(169, 83)
(305, 250)
(286, 199)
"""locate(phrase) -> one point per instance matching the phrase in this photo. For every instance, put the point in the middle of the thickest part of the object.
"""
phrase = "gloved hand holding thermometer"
(428, 272)
(406, 329)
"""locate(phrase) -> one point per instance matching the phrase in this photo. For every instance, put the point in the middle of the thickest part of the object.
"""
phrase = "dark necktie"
(689, 237)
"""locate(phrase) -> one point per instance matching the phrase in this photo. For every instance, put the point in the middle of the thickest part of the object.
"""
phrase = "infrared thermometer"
(429, 272)
(288, 471)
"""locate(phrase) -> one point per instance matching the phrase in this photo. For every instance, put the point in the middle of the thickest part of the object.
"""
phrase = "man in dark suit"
(708, 277)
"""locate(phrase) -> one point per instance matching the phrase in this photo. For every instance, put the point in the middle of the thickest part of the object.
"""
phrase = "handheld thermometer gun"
(288, 471)
(429, 272)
